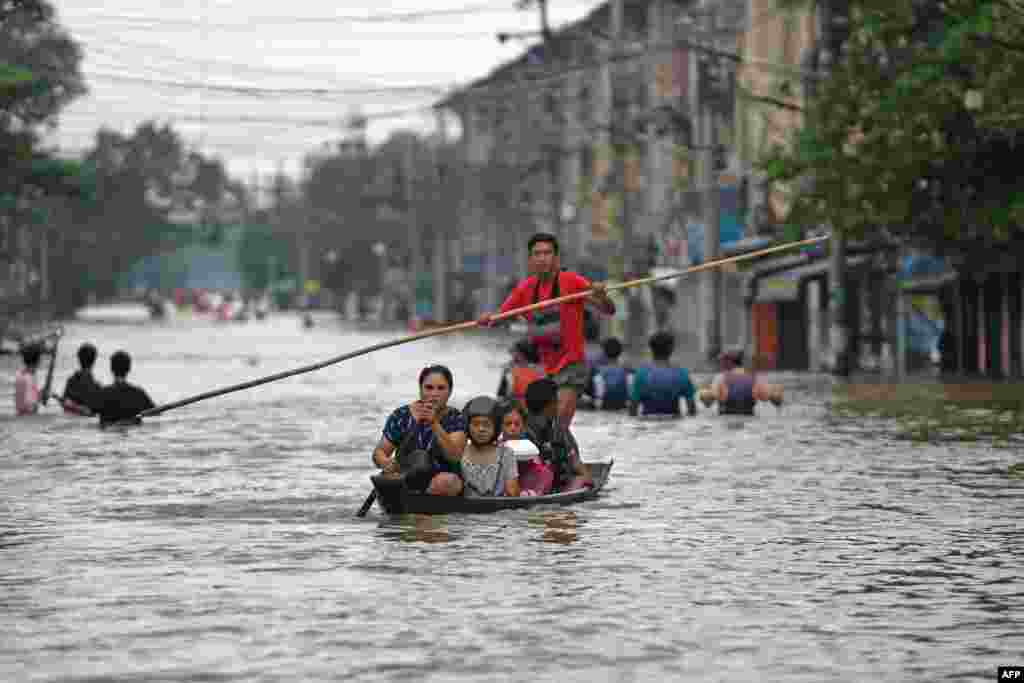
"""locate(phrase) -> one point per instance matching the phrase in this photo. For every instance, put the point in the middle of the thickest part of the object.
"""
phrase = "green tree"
(39, 75)
(913, 131)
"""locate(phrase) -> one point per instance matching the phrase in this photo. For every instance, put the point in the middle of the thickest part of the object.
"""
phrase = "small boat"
(395, 499)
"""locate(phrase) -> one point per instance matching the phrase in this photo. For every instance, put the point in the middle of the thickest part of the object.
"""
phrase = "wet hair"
(507, 406)
(662, 345)
(540, 393)
(120, 363)
(524, 347)
(734, 356)
(87, 355)
(439, 369)
(612, 348)
(31, 353)
(542, 237)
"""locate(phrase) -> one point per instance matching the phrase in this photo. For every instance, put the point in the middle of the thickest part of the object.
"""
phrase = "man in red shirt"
(557, 331)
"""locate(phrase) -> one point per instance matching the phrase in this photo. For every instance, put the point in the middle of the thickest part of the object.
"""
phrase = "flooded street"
(219, 543)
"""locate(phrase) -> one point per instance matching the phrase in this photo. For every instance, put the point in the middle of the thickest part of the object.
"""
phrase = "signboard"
(778, 288)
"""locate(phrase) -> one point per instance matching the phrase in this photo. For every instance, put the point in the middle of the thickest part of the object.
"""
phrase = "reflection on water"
(219, 541)
(418, 528)
(559, 526)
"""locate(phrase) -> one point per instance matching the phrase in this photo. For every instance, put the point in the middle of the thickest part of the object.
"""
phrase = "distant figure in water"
(81, 392)
(307, 320)
(26, 388)
(736, 390)
(121, 401)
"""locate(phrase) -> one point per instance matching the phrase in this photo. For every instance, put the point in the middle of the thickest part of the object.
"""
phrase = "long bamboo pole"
(425, 334)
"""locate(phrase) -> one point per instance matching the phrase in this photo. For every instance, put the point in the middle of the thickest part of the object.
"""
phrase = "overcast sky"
(221, 71)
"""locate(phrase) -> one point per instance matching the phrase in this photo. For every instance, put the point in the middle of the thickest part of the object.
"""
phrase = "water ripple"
(218, 543)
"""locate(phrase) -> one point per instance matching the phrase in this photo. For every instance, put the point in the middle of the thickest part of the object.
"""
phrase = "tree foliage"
(39, 75)
(913, 132)
(144, 194)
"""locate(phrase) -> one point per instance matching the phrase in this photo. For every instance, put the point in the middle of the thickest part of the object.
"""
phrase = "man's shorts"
(574, 375)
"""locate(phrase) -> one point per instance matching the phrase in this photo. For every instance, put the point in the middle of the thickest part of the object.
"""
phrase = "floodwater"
(219, 543)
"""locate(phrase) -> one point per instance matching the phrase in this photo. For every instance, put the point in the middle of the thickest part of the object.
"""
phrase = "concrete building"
(606, 152)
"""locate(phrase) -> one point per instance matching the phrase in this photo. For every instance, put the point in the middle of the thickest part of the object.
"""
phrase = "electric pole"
(831, 27)
(441, 223)
(712, 281)
(621, 172)
(413, 233)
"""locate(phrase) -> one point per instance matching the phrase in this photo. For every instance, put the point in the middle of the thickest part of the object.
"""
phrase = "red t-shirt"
(557, 332)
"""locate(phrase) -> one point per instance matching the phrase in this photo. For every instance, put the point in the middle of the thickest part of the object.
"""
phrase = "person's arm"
(514, 300)
(383, 455)
(392, 435)
(635, 384)
(710, 393)
(599, 389)
(580, 468)
(599, 295)
(73, 407)
(452, 443)
(509, 470)
(689, 393)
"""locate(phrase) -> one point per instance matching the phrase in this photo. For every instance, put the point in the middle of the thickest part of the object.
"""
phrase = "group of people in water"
(114, 403)
(658, 388)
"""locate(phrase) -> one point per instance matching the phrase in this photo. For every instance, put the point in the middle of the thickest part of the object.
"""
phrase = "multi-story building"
(555, 139)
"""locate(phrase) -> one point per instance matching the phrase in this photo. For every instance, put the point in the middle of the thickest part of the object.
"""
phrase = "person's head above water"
(436, 384)
(731, 358)
(612, 348)
(120, 364)
(662, 344)
(542, 397)
(87, 355)
(31, 353)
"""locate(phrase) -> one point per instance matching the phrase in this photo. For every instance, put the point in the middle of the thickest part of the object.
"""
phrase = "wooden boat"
(395, 499)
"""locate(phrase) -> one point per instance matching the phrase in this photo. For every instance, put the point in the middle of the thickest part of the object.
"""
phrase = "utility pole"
(413, 233)
(618, 129)
(837, 302)
(441, 224)
(711, 304)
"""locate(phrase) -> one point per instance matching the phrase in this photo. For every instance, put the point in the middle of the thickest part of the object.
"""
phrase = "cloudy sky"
(261, 84)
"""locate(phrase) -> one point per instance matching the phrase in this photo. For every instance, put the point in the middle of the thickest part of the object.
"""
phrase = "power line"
(384, 18)
(256, 91)
(171, 59)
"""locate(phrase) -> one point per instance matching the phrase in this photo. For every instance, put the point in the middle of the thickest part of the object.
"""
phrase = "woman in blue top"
(657, 388)
(429, 436)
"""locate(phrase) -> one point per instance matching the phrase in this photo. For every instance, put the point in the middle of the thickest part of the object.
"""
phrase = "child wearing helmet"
(487, 468)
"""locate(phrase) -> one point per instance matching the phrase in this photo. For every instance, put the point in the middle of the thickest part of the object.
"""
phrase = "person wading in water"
(556, 332)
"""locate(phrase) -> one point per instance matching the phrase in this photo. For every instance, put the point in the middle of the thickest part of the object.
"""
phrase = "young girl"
(534, 475)
(487, 468)
(513, 421)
